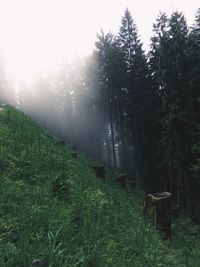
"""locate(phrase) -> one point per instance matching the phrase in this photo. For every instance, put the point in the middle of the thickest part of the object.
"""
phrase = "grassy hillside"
(54, 212)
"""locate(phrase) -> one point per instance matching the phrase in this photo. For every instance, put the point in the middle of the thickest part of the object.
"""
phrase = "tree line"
(132, 110)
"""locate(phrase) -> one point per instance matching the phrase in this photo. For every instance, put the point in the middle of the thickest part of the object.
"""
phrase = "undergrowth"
(55, 212)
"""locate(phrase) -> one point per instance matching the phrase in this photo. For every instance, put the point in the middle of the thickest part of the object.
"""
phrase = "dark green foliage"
(134, 112)
(140, 102)
(169, 62)
(82, 222)
(61, 188)
(174, 64)
(194, 54)
(111, 70)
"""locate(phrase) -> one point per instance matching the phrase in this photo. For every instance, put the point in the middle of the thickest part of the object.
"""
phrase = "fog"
(83, 100)
(67, 102)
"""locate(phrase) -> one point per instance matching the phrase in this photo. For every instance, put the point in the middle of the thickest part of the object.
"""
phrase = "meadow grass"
(55, 212)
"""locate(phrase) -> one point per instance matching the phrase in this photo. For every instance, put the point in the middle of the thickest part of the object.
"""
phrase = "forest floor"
(55, 212)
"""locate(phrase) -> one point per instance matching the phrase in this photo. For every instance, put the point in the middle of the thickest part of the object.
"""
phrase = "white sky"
(36, 33)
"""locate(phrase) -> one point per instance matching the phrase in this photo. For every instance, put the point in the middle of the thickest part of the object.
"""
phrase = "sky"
(36, 34)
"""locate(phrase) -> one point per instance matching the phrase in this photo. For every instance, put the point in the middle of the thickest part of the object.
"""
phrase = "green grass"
(54, 212)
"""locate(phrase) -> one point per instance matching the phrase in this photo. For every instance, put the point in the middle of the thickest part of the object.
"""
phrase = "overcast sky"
(37, 32)
(146, 11)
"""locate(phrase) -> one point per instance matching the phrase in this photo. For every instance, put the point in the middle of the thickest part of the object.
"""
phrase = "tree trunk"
(112, 139)
(136, 146)
(108, 149)
(122, 135)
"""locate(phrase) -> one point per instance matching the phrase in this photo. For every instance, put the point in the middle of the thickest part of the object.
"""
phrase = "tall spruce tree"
(111, 80)
(138, 94)
(170, 71)
(195, 113)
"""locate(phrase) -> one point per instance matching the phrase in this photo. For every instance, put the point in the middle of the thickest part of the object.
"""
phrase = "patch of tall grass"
(55, 212)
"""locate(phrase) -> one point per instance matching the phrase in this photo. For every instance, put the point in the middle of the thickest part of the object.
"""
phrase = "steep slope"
(55, 212)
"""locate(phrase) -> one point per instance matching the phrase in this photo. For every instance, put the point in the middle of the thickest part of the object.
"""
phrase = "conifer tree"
(139, 94)
(170, 73)
(111, 77)
(195, 91)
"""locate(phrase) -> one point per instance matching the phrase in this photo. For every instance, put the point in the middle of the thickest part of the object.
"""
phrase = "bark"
(137, 157)
(112, 139)
(108, 150)
(122, 135)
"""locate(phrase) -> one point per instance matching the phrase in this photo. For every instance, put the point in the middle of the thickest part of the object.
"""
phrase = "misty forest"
(136, 113)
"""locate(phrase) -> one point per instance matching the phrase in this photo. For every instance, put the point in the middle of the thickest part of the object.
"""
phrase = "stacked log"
(157, 206)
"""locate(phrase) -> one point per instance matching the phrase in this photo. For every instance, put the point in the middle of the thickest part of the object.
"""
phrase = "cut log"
(157, 206)
(175, 211)
(61, 141)
(121, 179)
(195, 219)
(99, 171)
(132, 184)
(74, 154)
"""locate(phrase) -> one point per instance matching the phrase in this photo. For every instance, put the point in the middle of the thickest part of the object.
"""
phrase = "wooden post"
(158, 207)
(121, 179)
(99, 171)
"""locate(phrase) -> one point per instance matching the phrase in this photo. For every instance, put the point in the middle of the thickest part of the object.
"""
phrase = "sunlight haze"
(37, 34)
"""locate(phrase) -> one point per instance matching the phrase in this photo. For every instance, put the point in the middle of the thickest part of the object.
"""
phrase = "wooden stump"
(74, 154)
(99, 171)
(195, 219)
(132, 184)
(121, 179)
(175, 211)
(158, 207)
(61, 141)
